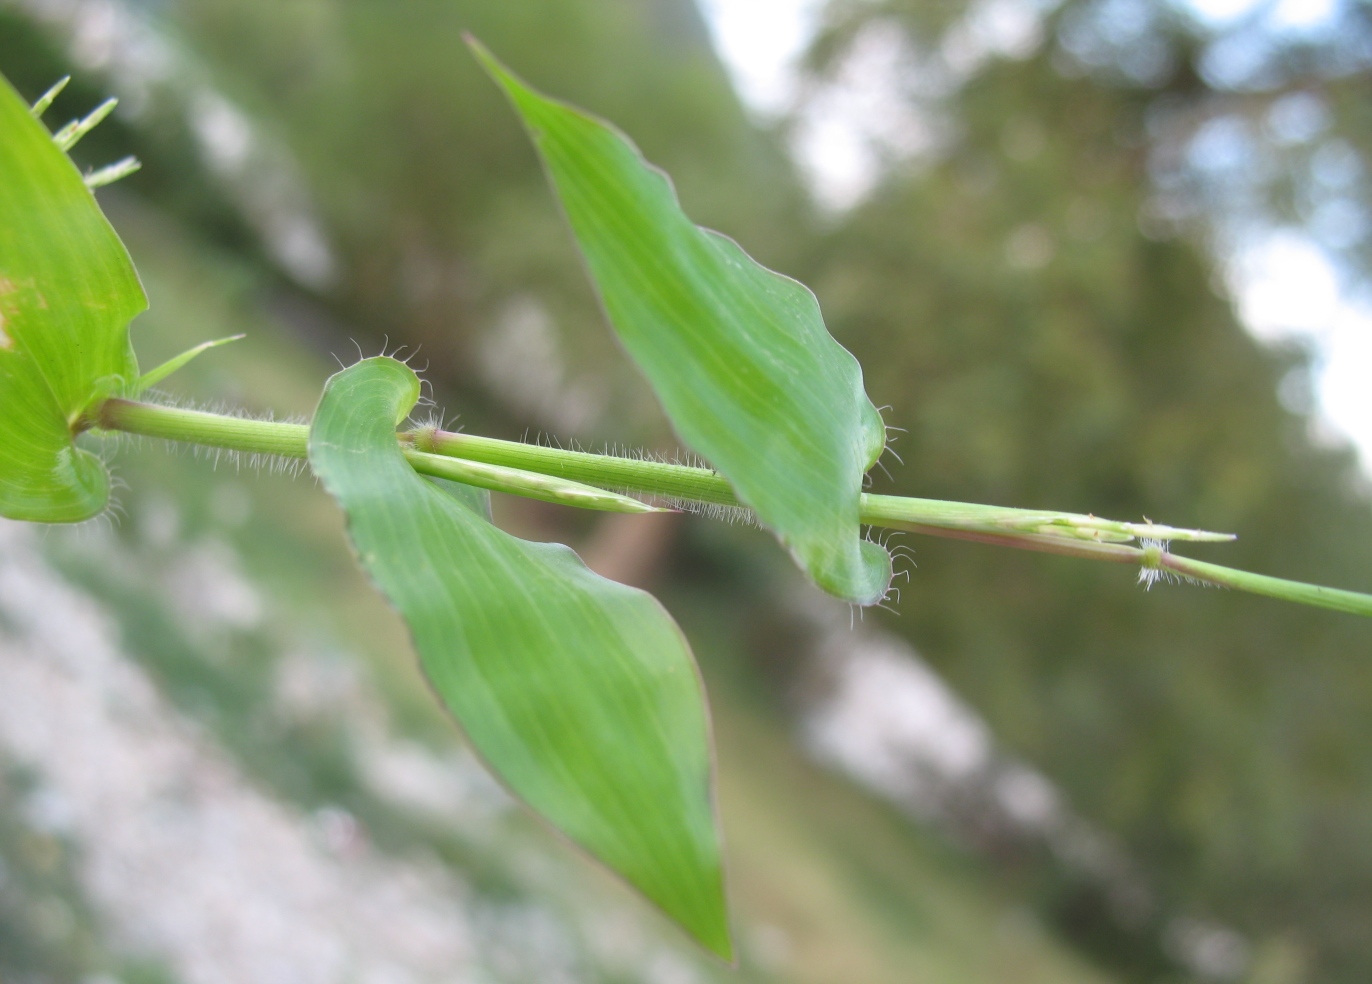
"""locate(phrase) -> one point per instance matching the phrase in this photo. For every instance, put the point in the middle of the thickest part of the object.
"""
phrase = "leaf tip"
(721, 943)
(70, 135)
(45, 100)
(513, 85)
(111, 173)
(488, 61)
(154, 376)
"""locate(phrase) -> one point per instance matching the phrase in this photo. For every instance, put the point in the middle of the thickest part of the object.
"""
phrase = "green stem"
(627, 474)
(579, 478)
(286, 440)
(1352, 602)
(703, 485)
(215, 430)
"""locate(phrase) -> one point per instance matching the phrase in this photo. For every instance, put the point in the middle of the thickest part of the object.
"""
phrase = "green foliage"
(738, 355)
(1110, 378)
(67, 294)
(155, 375)
(579, 692)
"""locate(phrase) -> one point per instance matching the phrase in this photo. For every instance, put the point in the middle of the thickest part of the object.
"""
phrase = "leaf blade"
(158, 373)
(737, 354)
(580, 693)
(68, 291)
(44, 478)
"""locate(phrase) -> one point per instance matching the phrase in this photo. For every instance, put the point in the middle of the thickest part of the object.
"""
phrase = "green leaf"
(46, 99)
(154, 376)
(580, 694)
(111, 173)
(71, 134)
(67, 294)
(738, 354)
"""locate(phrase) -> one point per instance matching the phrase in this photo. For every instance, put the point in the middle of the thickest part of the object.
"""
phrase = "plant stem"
(215, 430)
(703, 485)
(594, 481)
(628, 474)
(287, 440)
(1352, 602)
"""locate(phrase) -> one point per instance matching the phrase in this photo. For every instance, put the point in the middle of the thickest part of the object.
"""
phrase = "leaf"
(154, 376)
(738, 354)
(580, 694)
(111, 173)
(67, 294)
(72, 134)
(46, 99)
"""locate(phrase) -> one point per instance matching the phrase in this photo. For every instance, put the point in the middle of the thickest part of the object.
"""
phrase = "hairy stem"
(287, 440)
(596, 481)
(215, 430)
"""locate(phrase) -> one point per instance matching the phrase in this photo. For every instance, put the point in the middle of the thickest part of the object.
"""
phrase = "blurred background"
(1098, 255)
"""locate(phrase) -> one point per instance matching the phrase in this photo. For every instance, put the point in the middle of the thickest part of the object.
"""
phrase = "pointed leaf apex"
(111, 173)
(70, 135)
(45, 100)
(579, 693)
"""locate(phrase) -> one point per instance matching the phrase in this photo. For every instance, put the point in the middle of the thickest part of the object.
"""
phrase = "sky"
(1287, 289)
